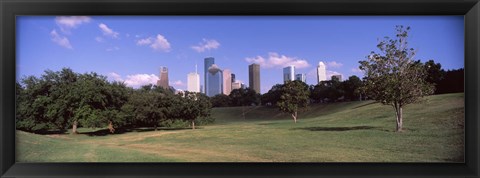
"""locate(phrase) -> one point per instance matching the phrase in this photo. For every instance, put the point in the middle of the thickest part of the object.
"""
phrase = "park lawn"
(361, 131)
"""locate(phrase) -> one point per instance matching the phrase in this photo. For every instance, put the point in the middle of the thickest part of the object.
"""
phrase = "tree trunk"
(294, 115)
(74, 127)
(155, 127)
(110, 127)
(399, 119)
(193, 125)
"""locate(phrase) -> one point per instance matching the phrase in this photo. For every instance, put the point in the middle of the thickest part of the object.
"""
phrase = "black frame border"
(11, 8)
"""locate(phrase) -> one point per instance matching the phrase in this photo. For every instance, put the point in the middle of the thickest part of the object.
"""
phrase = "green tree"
(221, 100)
(272, 96)
(195, 105)
(392, 76)
(295, 96)
(352, 88)
(244, 97)
(148, 107)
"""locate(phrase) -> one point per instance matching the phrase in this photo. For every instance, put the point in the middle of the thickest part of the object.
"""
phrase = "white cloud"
(115, 76)
(357, 70)
(60, 40)
(334, 64)
(274, 60)
(206, 44)
(177, 83)
(69, 22)
(160, 43)
(99, 39)
(116, 48)
(108, 31)
(145, 41)
(135, 80)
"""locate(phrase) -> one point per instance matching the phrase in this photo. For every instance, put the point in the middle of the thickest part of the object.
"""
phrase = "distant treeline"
(64, 99)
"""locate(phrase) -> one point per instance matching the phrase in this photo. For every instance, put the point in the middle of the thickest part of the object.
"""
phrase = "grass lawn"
(361, 131)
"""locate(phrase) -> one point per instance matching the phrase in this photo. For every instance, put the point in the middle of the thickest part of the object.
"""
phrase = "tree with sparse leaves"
(295, 96)
(392, 76)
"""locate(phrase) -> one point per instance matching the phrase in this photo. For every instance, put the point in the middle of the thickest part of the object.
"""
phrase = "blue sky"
(132, 48)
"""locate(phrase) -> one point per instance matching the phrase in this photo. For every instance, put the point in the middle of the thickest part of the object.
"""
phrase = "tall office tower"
(288, 73)
(321, 72)
(236, 85)
(338, 77)
(193, 81)
(209, 61)
(214, 81)
(163, 82)
(301, 77)
(233, 77)
(227, 81)
(254, 77)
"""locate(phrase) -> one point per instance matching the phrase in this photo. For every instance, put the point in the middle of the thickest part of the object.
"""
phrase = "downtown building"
(254, 77)
(209, 61)
(193, 81)
(213, 78)
(227, 81)
(301, 77)
(321, 72)
(288, 74)
(163, 81)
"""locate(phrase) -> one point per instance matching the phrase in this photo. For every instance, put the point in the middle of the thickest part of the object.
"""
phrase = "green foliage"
(352, 87)
(205, 120)
(244, 97)
(221, 100)
(392, 77)
(57, 99)
(195, 105)
(272, 96)
(295, 96)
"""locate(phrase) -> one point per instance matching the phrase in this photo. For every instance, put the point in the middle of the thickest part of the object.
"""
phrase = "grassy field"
(360, 131)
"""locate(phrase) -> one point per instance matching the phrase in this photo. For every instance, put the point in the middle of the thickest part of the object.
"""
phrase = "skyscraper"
(288, 73)
(321, 72)
(163, 82)
(227, 81)
(214, 81)
(254, 77)
(301, 77)
(209, 61)
(193, 81)
(233, 78)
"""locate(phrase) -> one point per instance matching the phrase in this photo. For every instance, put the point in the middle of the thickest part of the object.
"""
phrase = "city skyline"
(131, 49)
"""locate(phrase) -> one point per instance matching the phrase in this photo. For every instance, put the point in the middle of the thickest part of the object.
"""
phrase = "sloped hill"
(360, 131)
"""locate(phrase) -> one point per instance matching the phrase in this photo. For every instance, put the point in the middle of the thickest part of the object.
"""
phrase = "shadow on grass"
(105, 132)
(270, 123)
(363, 105)
(49, 132)
(336, 128)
